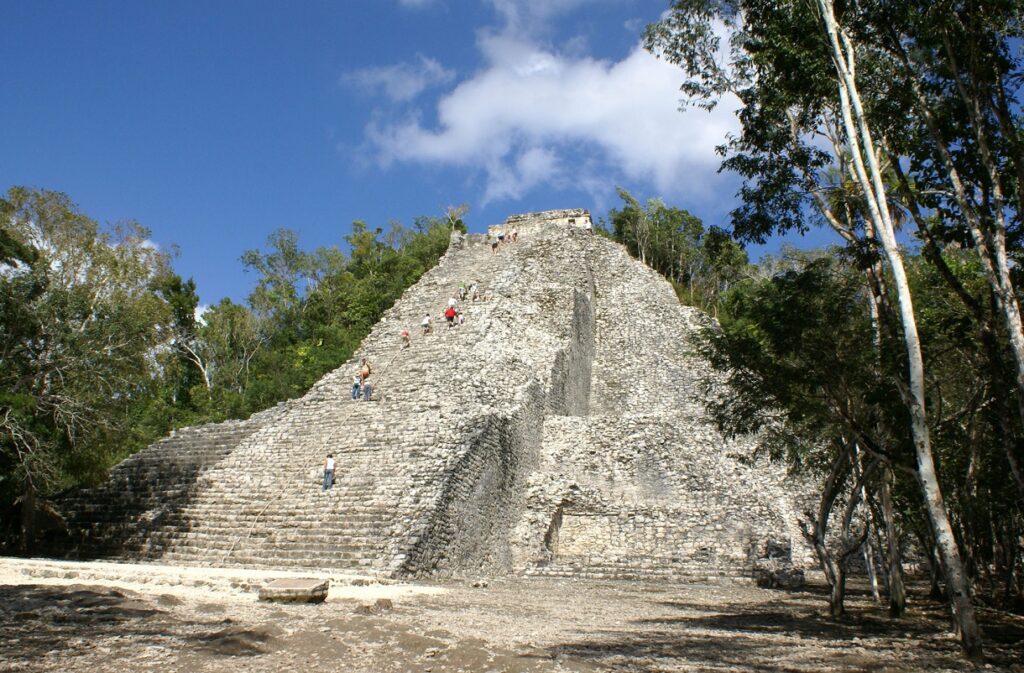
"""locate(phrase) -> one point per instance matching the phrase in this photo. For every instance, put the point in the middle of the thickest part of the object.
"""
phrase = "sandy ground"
(82, 624)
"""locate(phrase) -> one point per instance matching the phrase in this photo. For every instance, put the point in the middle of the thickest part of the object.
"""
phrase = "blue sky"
(215, 123)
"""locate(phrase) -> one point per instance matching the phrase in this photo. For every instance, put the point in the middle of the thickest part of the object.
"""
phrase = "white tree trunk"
(862, 149)
(990, 242)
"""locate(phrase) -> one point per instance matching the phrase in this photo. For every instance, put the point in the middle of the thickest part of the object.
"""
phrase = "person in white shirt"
(329, 472)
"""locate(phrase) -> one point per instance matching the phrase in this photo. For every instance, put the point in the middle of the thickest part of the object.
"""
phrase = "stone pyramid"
(560, 430)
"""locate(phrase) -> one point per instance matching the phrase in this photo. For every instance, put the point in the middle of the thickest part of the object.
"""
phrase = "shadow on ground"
(793, 637)
(37, 621)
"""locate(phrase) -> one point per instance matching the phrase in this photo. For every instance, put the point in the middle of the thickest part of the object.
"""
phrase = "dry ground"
(508, 625)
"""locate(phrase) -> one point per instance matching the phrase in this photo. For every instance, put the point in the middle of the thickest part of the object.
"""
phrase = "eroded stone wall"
(621, 494)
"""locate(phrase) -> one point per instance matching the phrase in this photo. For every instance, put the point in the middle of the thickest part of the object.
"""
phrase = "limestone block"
(295, 591)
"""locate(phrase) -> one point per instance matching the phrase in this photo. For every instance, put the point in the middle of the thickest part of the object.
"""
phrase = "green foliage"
(810, 369)
(796, 349)
(940, 88)
(306, 315)
(78, 328)
(700, 263)
(103, 352)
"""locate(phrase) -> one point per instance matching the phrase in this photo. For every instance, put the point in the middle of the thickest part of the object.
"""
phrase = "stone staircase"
(559, 431)
(146, 492)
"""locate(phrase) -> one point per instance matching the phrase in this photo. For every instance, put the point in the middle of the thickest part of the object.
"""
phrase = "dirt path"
(512, 626)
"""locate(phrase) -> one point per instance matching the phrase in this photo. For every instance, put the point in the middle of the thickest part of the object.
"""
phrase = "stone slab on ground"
(295, 591)
(170, 577)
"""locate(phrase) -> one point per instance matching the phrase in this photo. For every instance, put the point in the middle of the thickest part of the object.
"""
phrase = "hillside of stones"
(559, 431)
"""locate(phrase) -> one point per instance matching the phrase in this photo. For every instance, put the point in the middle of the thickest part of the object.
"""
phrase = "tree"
(794, 68)
(723, 262)
(284, 274)
(700, 263)
(186, 368)
(454, 214)
(954, 71)
(78, 327)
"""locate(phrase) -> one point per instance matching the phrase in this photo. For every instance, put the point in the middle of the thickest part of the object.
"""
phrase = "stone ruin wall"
(559, 431)
(549, 220)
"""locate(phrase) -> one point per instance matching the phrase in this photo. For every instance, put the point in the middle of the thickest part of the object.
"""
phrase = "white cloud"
(635, 25)
(532, 115)
(521, 16)
(415, 4)
(402, 81)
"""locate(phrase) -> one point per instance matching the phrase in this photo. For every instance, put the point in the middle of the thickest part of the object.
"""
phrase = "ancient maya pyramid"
(559, 431)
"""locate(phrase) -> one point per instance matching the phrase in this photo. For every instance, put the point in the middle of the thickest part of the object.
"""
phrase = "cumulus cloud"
(533, 115)
(402, 81)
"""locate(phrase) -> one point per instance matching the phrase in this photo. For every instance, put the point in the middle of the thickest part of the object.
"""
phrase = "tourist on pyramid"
(462, 290)
(328, 472)
(452, 301)
(357, 385)
(427, 329)
(515, 235)
(449, 315)
(364, 375)
(405, 337)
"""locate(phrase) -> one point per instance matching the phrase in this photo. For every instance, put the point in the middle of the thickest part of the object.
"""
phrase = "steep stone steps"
(267, 477)
(151, 485)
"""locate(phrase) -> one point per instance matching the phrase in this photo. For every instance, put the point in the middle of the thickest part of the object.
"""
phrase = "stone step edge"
(685, 577)
(220, 579)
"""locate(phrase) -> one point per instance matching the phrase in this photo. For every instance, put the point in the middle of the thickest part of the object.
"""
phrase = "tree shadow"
(36, 621)
(39, 619)
(782, 638)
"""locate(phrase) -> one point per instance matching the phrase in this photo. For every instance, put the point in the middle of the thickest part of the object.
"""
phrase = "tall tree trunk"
(28, 516)
(986, 326)
(897, 592)
(869, 564)
(862, 149)
(868, 549)
(816, 532)
(989, 239)
(935, 591)
(837, 592)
